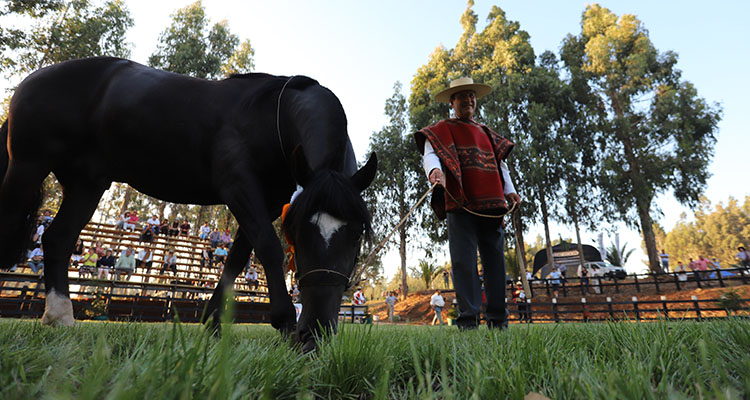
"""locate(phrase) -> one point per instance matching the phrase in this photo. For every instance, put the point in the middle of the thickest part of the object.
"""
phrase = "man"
(519, 297)
(359, 298)
(744, 257)
(154, 223)
(664, 257)
(554, 279)
(125, 264)
(437, 302)
(467, 160)
(391, 302)
(36, 259)
(251, 276)
(205, 231)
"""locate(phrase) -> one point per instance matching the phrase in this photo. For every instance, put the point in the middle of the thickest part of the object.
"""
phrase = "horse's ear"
(363, 178)
(300, 167)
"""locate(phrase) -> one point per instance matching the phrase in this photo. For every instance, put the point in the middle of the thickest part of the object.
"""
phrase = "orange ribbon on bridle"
(290, 243)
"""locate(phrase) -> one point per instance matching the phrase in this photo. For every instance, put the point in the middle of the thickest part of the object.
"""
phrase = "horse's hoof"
(58, 310)
(311, 346)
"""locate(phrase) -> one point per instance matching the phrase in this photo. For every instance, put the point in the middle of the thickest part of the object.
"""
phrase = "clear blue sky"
(360, 49)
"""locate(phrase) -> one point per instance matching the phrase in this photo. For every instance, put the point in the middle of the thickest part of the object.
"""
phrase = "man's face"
(464, 104)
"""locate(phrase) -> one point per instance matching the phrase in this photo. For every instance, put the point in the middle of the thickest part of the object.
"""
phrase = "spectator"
(703, 269)
(106, 264)
(37, 236)
(744, 257)
(226, 238)
(715, 264)
(170, 262)
(519, 297)
(446, 280)
(77, 255)
(359, 298)
(437, 302)
(554, 277)
(251, 276)
(163, 227)
(391, 301)
(681, 272)
(595, 280)
(125, 264)
(583, 273)
(89, 263)
(185, 228)
(174, 228)
(295, 293)
(47, 217)
(99, 248)
(144, 260)
(563, 272)
(147, 235)
(205, 231)
(121, 219)
(664, 257)
(131, 222)
(220, 254)
(214, 237)
(36, 259)
(154, 223)
(206, 257)
(529, 276)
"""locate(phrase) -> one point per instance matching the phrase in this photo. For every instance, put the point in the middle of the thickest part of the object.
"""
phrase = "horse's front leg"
(255, 224)
(235, 262)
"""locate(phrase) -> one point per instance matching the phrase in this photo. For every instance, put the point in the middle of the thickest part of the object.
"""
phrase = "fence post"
(554, 310)
(664, 304)
(697, 307)
(546, 283)
(697, 276)
(609, 306)
(617, 287)
(585, 311)
(656, 283)
(637, 286)
(352, 312)
(742, 274)
(528, 311)
(23, 299)
(676, 281)
(635, 308)
(565, 287)
(721, 279)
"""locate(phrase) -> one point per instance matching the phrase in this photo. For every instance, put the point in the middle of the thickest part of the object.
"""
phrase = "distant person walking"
(391, 300)
(744, 257)
(437, 302)
(664, 257)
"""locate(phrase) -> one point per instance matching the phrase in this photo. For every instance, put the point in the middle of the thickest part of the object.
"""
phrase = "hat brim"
(479, 89)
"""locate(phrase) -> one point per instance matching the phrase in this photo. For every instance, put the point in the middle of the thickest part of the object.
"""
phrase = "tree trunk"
(202, 211)
(545, 220)
(648, 237)
(578, 238)
(521, 251)
(162, 207)
(402, 252)
(126, 199)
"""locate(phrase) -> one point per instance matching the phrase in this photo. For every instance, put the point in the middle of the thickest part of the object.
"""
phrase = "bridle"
(339, 279)
(278, 113)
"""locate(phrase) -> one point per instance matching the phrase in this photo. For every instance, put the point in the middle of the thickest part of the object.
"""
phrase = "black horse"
(245, 141)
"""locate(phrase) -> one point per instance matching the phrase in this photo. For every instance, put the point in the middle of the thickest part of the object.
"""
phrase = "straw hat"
(460, 85)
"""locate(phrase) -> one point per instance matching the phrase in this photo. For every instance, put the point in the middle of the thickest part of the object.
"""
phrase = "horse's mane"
(272, 83)
(330, 192)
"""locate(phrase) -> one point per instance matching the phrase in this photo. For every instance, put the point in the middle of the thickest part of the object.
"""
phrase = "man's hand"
(436, 176)
(514, 198)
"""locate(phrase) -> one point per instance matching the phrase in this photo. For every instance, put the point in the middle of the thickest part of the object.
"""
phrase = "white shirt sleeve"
(430, 160)
(508, 188)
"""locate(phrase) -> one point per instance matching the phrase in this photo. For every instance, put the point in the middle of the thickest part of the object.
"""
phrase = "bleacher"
(147, 295)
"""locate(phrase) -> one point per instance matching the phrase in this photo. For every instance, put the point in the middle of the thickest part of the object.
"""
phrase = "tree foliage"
(715, 232)
(656, 133)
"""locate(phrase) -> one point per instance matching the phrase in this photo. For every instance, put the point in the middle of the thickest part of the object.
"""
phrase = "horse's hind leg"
(79, 203)
(20, 195)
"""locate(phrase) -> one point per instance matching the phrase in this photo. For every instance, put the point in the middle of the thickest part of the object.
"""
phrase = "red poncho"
(470, 154)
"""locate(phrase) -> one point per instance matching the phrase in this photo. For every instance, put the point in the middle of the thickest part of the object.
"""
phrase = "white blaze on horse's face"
(327, 224)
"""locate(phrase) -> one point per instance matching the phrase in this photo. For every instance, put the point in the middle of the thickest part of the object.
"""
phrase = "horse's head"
(326, 223)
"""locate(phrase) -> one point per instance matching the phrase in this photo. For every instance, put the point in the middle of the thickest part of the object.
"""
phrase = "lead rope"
(358, 272)
(278, 112)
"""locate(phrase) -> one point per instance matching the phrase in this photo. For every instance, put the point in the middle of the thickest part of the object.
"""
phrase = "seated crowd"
(101, 262)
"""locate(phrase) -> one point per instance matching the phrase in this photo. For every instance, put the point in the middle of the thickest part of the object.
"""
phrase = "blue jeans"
(36, 266)
(466, 234)
(438, 315)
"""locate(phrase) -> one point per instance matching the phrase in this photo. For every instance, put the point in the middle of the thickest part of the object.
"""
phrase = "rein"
(382, 243)
(278, 112)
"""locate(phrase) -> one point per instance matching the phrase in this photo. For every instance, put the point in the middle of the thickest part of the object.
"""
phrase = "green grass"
(566, 361)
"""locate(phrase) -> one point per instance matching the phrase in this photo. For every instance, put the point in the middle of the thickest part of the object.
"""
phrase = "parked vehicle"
(606, 269)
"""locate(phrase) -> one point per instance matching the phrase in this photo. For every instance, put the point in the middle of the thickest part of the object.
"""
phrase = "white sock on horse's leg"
(58, 310)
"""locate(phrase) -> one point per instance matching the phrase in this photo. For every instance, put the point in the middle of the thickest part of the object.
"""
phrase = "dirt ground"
(416, 310)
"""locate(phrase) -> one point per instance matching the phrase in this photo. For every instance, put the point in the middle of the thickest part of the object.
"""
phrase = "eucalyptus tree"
(192, 46)
(54, 31)
(657, 134)
(399, 183)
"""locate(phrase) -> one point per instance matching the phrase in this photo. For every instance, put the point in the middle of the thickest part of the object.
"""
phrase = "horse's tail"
(17, 224)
